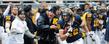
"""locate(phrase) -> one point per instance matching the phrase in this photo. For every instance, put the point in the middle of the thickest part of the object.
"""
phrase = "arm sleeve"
(7, 10)
(28, 33)
(41, 25)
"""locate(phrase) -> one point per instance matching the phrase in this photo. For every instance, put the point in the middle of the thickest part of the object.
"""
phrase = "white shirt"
(18, 29)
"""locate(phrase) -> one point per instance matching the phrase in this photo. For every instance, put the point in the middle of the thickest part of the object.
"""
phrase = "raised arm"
(7, 10)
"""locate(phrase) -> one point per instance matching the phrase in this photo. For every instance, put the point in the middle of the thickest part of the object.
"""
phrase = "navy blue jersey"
(9, 18)
(75, 33)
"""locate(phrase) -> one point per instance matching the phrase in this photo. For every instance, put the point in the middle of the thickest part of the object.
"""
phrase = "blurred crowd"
(87, 23)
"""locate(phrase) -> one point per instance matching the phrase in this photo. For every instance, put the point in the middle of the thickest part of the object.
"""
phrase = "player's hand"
(53, 27)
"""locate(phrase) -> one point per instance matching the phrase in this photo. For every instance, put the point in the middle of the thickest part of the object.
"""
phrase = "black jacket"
(44, 32)
(32, 28)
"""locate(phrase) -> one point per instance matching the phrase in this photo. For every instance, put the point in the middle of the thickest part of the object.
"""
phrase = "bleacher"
(17, 2)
